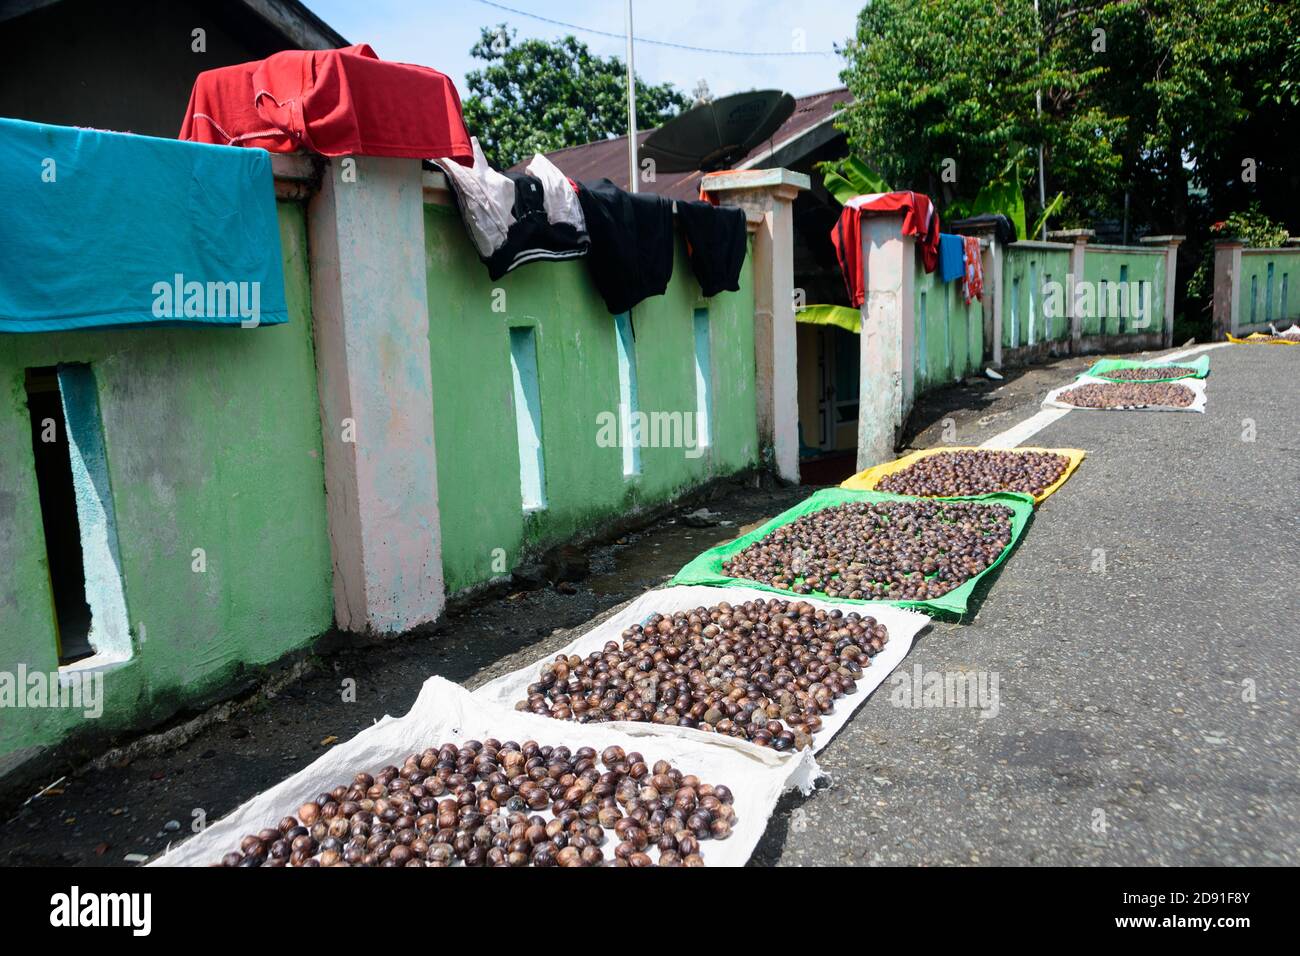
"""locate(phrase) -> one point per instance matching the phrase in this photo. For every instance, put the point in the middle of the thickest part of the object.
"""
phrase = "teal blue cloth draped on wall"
(952, 257)
(102, 229)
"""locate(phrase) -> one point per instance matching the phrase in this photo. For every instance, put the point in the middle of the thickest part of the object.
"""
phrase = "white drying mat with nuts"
(1195, 385)
(445, 712)
(903, 626)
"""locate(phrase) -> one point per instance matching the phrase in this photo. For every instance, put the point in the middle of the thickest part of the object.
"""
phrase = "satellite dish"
(715, 135)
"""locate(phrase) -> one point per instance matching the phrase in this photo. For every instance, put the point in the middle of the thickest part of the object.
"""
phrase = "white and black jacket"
(514, 218)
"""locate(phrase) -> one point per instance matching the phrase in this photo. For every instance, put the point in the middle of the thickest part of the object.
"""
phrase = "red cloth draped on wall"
(972, 285)
(920, 219)
(344, 102)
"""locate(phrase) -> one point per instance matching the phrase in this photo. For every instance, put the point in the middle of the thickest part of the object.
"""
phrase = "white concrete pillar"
(885, 379)
(906, 320)
(1078, 251)
(994, 257)
(991, 257)
(767, 196)
(371, 322)
(1171, 244)
(1227, 270)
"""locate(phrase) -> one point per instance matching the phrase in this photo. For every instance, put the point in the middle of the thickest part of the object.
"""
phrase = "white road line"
(1035, 423)
(1026, 429)
(1192, 351)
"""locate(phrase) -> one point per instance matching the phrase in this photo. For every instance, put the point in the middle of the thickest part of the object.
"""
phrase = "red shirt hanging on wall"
(972, 285)
(919, 219)
(344, 102)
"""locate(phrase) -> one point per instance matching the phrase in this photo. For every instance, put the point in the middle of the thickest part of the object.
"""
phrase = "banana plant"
(1052, 206)
(1004, 195)
(846, 178)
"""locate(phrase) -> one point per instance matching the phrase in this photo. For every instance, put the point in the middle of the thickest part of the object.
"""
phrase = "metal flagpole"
(631, 107)
(1043, 186)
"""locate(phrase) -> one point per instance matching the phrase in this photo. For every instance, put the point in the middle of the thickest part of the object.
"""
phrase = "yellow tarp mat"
(867, 480)
(1259, 338)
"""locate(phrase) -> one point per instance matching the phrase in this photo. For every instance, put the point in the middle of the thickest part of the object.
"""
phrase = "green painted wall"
(1025, 271)
(948, 340)
(213, 441)
(1104, 265)
(474, 425)
(1285, 300)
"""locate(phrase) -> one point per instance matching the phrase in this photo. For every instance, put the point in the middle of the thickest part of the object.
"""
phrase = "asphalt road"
(1148, 706)
(1123, 732)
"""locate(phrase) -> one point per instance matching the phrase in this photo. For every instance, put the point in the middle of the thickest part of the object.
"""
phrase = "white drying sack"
(447, 713)
(1195, 384)
(903, 626)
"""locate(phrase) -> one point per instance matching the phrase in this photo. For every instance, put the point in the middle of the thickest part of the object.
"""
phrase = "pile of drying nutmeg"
(976, 472)
(471, 803)
(1128, 395)
(887, 550)
(1147, 374)
(763, 671)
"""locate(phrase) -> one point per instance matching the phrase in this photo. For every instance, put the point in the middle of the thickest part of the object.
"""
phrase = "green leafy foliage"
(851, 177)
(1053, 205)
(1167, 114)
(945, 103)
(1252, 227)
(1003, 195)
(538, 96)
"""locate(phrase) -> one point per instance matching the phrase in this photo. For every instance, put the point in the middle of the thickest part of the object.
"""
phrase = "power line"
(675, 46)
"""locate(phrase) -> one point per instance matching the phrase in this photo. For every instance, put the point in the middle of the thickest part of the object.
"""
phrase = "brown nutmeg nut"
(569, 856)
(1128, 395)
(438, 807)
(678, 644)
(252, 846)
(607, 817)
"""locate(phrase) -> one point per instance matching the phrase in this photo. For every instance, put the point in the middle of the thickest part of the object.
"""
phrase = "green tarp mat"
(1201, 367)
(707, 568)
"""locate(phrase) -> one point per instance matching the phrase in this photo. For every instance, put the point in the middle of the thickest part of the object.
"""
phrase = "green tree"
(1169, 113)
(1204, 86)
(538, 96)
(1207, 89)
(945, 99)
(1148, 96)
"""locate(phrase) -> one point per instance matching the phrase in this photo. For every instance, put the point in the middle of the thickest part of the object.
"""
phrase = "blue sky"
(439, 34)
